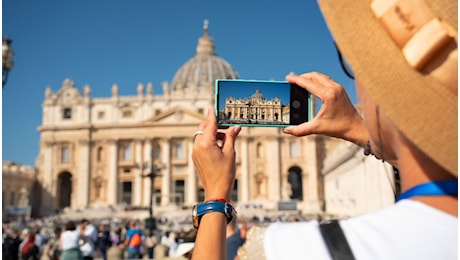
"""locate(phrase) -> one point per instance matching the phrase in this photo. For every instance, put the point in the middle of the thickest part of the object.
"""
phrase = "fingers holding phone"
(337, 116)
(214, 163)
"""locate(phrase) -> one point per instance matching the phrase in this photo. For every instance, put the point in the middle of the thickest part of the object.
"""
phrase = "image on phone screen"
(260, 103)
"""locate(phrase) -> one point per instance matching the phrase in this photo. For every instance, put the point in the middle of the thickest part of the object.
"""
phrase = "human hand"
(337, 116)
(215, 164)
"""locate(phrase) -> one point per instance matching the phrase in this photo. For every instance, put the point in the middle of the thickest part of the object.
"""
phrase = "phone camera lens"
(296, 104)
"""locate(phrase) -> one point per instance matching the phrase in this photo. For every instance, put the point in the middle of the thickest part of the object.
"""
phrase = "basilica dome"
(257, 96)
(202, 70)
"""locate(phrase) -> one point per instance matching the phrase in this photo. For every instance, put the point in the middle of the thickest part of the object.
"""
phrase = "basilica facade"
(121, 149)
(255, 109)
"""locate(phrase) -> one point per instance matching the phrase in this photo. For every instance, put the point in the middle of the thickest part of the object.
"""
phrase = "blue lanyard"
(434, 188)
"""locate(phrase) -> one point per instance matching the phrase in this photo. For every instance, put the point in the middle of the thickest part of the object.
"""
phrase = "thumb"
(230, 137)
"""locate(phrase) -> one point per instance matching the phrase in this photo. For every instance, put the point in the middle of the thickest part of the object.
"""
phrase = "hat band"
(428, 44)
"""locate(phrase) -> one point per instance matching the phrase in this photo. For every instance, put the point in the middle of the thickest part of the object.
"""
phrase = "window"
(127, 113)
(127, 152)
(67, 113)
(156, 151)
(126, 192)
(235, 191)
(65, 154)
(100, 115)
(157, 196)
(294, 149)
(179, 188)
(201, 194)
(179, 152)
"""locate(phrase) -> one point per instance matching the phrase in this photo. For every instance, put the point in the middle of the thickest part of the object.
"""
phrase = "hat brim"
(424, 110)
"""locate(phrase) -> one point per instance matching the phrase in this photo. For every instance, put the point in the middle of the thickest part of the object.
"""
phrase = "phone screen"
(260, 103)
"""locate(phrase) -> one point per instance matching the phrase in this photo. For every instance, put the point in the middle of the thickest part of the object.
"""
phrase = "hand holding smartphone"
(261, 103)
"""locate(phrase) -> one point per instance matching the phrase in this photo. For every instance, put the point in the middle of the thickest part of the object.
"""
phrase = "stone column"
(48, 191)
(273, 150)
(244, 170)
(137, 185)
(83, 173)
(166, 177)
(191, 196)
(113, 173)
(147, 184)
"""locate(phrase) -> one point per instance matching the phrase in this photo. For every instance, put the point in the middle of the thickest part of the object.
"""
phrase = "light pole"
(154, 169)
(7, 62)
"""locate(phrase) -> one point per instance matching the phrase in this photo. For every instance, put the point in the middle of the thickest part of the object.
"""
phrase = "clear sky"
(103, 42)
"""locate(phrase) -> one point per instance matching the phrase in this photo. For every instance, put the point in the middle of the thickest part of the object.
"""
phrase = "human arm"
(125, 242)
(215, 166)
(337, 116)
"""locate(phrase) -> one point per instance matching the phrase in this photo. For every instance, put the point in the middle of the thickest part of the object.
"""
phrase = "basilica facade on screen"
(118, 149)
(255, 109)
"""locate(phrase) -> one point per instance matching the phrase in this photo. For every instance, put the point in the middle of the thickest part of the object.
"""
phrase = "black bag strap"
(336, 241)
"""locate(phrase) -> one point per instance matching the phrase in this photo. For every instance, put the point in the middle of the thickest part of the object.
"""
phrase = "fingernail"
(286, 131)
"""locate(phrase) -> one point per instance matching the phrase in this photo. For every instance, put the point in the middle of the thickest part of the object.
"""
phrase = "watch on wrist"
(212, 206)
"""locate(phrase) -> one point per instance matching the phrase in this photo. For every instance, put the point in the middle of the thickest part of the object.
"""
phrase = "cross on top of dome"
(205, 25)
(204, 68)
(205, 43)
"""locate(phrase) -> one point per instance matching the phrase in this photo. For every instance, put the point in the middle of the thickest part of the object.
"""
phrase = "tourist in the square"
(104, 240)
(133, 241)
(403, 56)
(10, 246)
(30, 250)
(52, 250)
(69, 242)
(235, 238)
(88, 246)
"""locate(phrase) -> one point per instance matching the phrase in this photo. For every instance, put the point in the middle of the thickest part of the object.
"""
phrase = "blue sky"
(103, 42)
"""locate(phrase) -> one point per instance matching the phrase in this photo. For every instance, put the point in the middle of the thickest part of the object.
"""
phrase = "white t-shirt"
(89, 247)
(405, 230)
(69, 239)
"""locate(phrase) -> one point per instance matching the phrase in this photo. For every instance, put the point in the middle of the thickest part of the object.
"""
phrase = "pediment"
(68, 94)
(176, 115)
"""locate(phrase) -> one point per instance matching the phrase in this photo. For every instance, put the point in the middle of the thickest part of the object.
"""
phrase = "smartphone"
(261, 103)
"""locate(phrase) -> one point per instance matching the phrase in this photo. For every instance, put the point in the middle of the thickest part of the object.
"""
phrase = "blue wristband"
(212, 206)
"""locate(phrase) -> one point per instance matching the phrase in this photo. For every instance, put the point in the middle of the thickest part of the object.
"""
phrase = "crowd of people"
(114, 238)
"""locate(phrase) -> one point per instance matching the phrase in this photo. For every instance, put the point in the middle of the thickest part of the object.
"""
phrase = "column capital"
(139, 140)
(85, 142)
(112, 141)
(49, 144)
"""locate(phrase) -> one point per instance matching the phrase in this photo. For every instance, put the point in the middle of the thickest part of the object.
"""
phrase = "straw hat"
(404, 52)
